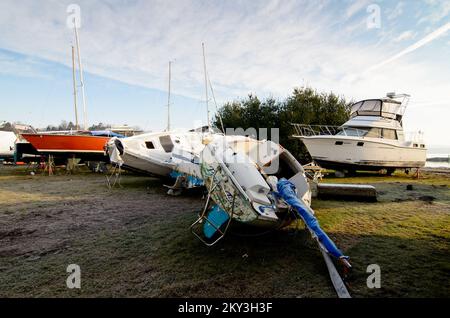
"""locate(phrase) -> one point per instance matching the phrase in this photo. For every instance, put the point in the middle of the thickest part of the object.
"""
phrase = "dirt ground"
(134, 241)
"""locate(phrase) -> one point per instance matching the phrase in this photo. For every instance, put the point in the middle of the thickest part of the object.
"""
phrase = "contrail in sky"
(430, 37)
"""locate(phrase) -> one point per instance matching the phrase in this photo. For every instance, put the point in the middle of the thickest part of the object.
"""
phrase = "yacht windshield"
(353, 132)
(367, 108)
(375, 107)
(371, 132)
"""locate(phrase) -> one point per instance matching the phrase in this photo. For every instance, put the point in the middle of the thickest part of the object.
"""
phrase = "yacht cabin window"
(166, 143)
(371, 132)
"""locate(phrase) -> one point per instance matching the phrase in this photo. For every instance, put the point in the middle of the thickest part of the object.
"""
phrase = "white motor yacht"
(373, 139)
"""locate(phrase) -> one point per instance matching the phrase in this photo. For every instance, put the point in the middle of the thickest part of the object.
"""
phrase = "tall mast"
(74, 89)
(81, 78)
(206, 85)
(168, 98)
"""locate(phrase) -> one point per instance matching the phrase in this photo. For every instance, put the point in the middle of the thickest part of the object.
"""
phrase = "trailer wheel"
(390, 171)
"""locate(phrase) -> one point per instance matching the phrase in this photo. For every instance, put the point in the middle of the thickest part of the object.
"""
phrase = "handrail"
(303, 130)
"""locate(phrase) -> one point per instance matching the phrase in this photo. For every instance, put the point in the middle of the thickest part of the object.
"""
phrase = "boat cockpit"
(386, 108)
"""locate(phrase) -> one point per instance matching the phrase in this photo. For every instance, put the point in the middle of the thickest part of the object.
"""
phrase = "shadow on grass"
(164, 259)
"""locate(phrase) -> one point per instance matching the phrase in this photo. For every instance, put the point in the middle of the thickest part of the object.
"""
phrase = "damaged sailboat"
(257, 183)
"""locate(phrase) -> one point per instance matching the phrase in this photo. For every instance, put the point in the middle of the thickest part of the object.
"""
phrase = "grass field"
(134, 241)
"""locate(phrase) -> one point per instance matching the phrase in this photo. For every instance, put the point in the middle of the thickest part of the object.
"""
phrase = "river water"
(438, 164)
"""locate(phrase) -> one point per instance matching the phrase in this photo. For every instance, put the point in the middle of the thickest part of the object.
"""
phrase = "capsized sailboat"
(258, 183)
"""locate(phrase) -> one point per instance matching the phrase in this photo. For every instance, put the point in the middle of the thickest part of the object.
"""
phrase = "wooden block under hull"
(352, 192)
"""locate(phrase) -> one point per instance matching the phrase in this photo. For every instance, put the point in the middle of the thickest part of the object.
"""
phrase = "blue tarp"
(105, 133)
(286, 190)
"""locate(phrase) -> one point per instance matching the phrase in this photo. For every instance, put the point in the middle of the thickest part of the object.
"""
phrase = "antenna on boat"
(206, 86)
(168, 97)
(81, 76)
(74, 88)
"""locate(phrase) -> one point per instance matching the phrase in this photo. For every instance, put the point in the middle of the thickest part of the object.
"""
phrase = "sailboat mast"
(81, 79)
(206, 85)
(74, 88)
(168, 97)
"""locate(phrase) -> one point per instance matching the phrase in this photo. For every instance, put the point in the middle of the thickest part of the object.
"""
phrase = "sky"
(357, 49)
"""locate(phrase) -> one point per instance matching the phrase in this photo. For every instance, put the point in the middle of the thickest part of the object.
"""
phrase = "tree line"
(304, 106)
(64, 125)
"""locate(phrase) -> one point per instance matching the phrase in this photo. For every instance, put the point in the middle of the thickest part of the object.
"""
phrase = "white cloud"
(407, 35)
(397, 11)
(266, 47)
(356, 6)
(441, 10)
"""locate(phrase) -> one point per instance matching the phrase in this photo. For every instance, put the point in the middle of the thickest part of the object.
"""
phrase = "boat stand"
(115, 177)
(417, 174)
(49, 165)
(72, 165)
(203, 217)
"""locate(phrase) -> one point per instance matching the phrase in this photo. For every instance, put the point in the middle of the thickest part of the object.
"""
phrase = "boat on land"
(151, 153)
(86, 145)
(257, 183)
(81, 144)
(7, 141)
(373, 139)
(254, 182)
(12, 146)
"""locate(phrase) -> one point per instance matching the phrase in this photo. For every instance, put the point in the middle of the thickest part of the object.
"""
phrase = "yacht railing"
(416, 137)
(302, 130)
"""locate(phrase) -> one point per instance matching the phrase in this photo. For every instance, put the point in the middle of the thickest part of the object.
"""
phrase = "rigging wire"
(215, 103)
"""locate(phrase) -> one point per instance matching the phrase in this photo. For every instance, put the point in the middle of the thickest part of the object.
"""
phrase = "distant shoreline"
(439, 159)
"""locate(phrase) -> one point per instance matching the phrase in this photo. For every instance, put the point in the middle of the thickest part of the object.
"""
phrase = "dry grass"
(135, 242)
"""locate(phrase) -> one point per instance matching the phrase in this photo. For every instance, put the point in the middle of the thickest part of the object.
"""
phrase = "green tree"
(303, 106)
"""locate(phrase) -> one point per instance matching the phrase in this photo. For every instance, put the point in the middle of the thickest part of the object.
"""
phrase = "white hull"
(146, 165)
(236, 164)
(365, 153)
(7, 140)
(147, 154)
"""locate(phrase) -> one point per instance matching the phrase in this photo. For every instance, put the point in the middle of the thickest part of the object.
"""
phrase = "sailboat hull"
(81, 146)
(145, 165)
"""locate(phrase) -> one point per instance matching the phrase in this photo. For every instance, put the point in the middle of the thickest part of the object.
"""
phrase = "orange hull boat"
(67, 144)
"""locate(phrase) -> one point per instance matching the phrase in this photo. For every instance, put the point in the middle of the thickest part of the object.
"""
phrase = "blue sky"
(262, 47)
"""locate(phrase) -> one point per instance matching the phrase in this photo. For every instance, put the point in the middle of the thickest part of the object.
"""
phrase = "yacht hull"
(363, 154)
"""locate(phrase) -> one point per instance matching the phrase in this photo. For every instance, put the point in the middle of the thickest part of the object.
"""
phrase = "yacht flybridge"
(373, 138)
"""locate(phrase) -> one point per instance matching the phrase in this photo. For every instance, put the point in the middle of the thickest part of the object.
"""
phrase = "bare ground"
(135, 241)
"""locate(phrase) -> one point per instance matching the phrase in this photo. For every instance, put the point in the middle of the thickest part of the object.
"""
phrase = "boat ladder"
(203, 220)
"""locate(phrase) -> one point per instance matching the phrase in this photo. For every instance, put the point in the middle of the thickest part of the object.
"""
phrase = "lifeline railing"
(302, 130)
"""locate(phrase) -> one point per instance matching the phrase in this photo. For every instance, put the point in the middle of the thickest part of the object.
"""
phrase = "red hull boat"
(65, 145)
